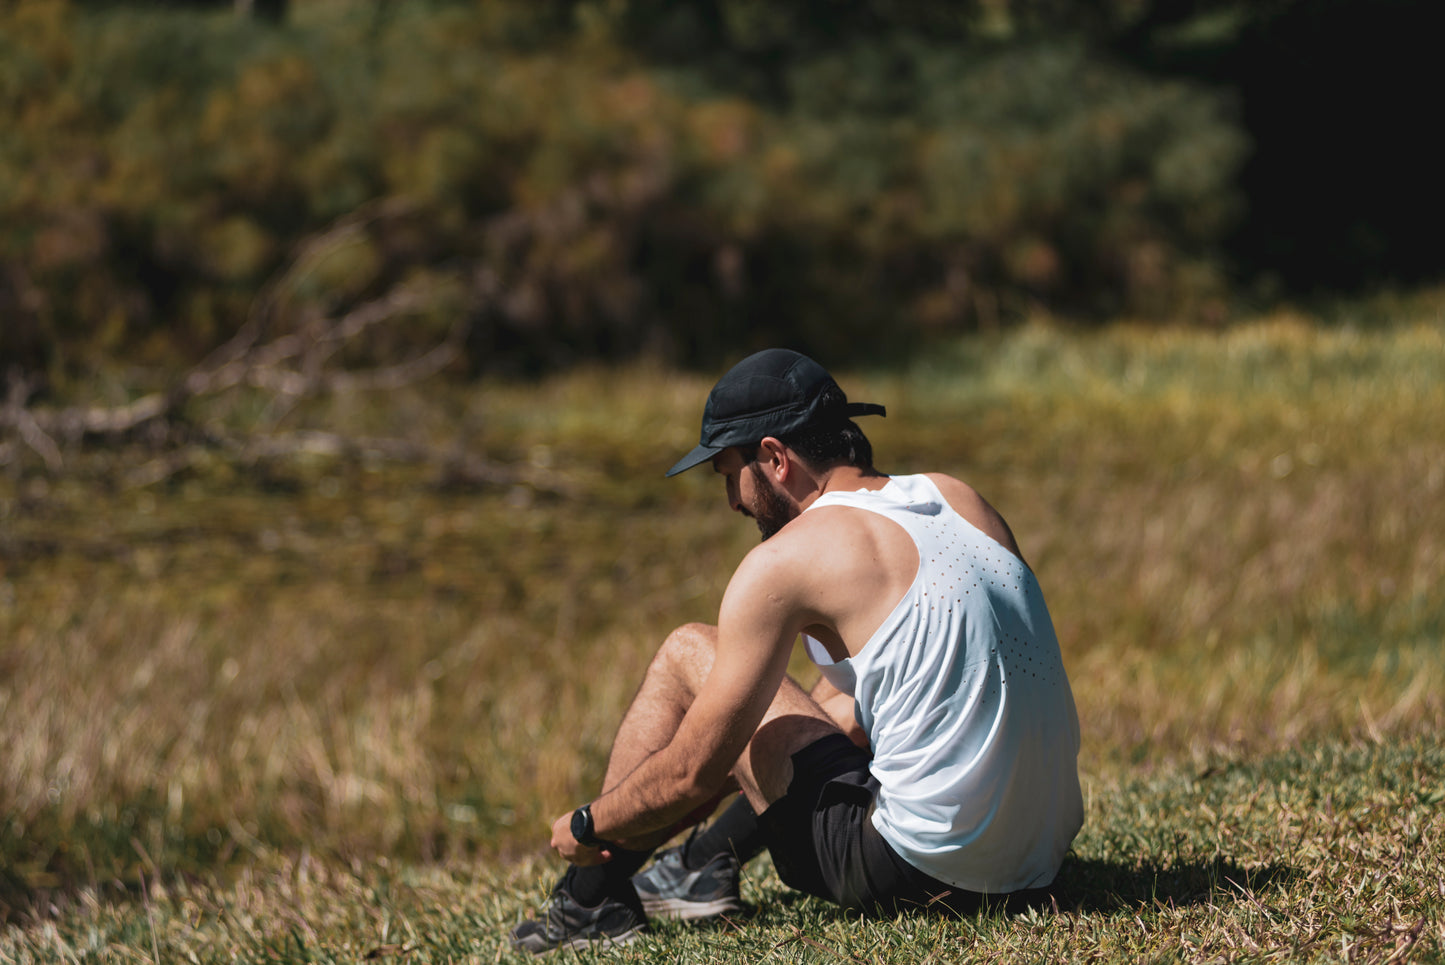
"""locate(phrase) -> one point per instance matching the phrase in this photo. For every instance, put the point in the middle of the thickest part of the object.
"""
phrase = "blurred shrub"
(571, 192)
(1031, 173)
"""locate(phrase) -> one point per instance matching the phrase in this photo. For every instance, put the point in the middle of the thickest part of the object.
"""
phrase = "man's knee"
(687, 653)
(691, 642)
(693, 635)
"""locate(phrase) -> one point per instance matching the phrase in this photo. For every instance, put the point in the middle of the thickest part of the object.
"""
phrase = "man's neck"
(845, 479)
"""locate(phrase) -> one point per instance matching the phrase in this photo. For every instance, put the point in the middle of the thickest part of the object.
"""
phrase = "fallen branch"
(23, 422)
(455, 466)
(290, 366)
(460, 466)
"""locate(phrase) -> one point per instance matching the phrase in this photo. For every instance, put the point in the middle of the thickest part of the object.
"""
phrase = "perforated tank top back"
(963, 695)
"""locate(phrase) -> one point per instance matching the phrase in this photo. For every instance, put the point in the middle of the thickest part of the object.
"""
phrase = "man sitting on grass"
(936, 762)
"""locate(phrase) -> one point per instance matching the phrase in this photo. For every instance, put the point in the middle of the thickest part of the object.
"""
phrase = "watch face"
(582, 825)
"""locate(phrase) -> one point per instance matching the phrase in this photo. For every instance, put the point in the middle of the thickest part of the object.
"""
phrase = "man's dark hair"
(829, 444)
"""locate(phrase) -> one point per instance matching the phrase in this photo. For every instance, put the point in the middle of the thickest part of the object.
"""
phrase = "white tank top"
(963, 695)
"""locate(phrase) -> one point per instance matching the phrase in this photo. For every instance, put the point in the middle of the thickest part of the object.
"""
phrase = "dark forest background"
(545, 182)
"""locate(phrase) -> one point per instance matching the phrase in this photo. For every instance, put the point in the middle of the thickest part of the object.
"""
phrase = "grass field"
(322, 710)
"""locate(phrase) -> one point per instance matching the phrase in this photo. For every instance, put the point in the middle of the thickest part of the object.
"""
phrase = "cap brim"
(697, 457)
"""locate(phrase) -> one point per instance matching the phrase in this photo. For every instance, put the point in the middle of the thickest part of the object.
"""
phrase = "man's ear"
(775, 458)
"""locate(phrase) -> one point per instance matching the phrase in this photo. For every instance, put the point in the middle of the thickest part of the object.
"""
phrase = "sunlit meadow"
(315, 709)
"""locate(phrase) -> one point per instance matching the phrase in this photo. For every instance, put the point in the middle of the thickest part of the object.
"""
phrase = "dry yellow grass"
(1242, 537)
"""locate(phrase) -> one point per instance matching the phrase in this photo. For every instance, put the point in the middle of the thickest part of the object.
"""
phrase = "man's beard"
(771, 511)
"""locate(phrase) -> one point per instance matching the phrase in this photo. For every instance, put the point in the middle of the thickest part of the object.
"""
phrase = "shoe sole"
(677, 909)
(603, 941)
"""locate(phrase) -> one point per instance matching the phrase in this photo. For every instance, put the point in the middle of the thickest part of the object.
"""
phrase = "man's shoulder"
(835, 566)
(801, 548)
(800, 538)
(954, 490)
(970, 504)
(818, 543)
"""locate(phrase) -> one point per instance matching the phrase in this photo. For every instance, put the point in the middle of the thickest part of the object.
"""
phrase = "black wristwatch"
(583, 830)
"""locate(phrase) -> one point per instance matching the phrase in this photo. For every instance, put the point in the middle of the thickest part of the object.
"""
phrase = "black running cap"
(772, 393)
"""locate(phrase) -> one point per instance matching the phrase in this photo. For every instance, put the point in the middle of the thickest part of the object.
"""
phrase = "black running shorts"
(823, 842)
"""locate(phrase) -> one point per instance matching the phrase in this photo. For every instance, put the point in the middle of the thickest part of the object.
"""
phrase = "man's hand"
(568, 848)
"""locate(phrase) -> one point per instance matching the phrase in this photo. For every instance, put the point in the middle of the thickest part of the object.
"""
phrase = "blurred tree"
(1337, 98)
(1341, 98)
(598, 178)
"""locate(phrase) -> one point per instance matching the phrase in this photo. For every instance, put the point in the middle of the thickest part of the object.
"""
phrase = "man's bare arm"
(756, 629)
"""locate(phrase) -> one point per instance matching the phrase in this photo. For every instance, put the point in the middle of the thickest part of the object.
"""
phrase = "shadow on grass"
(1086, 885)
(34, 896)
(40, 880)
(1092, 885)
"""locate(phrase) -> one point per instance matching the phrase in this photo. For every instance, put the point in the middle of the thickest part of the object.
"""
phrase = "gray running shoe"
(570, 925)
(669, 889)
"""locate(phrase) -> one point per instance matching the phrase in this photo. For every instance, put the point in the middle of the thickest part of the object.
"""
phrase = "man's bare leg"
(676, 674)
(604, 893)
(672, 682)
(839, 706)
(735, 831)
(688, 883)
